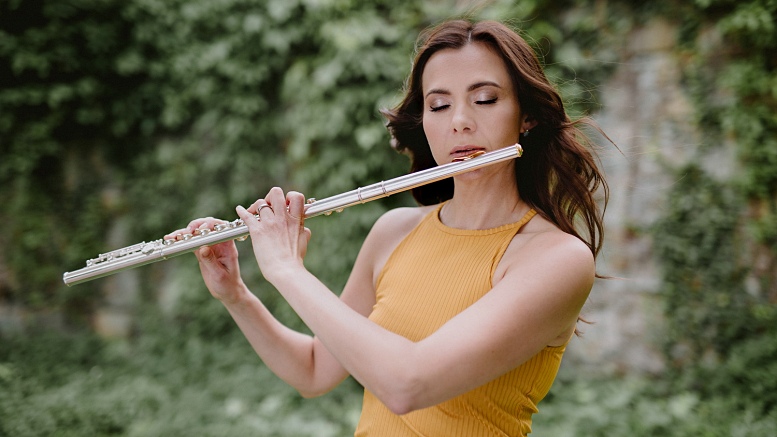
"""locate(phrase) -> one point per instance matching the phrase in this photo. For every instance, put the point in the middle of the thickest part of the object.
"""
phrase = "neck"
(483, 203)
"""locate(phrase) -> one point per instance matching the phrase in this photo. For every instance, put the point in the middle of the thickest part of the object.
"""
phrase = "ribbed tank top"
(435, 273)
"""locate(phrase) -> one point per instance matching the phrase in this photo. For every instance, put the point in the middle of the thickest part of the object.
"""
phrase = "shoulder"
(549, 267)
(394, 225)
(401, 220)
(545, 250)
(388, 231)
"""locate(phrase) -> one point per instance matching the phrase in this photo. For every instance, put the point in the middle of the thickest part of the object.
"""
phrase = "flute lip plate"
(468, 157)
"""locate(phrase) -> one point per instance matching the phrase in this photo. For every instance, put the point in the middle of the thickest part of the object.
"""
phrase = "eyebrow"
(472, 87)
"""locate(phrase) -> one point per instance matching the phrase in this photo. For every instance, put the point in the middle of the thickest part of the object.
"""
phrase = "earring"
(525, 133)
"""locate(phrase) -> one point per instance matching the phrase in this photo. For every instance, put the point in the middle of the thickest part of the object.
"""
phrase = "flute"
(159, 250)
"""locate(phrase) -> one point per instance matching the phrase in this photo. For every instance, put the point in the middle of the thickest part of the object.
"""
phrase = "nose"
(462, 119)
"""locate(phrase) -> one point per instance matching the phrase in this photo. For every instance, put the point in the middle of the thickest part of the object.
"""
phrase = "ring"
(263, 206)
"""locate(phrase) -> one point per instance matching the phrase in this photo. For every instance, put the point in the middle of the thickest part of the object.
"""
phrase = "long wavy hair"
(557, 174)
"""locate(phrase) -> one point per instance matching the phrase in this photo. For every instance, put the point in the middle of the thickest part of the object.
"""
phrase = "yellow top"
(435, 273)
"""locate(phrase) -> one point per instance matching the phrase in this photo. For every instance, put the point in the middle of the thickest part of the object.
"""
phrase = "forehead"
(470, 64)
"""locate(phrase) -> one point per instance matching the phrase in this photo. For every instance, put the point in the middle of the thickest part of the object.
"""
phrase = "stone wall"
(649, 116)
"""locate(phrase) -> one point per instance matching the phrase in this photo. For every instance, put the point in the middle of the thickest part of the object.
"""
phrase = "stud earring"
(525, 133)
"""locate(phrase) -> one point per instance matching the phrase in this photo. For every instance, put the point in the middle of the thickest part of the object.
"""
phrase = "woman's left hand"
(279, 236)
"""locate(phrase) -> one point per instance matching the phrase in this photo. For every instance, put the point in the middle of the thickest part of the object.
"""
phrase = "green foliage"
(58, 113)
(720, 305)
(168, 384)
(749, 79)
(176, 383)
(748, 376)
(638, 406)
(177, 110)
(696, 243)
(702, 243)
(123, 120)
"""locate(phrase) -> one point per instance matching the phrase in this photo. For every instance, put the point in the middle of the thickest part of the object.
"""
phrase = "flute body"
(158, 250)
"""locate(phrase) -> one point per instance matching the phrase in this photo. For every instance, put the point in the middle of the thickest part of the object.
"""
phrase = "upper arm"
(384, 237)
(359, 290)
(539, 296)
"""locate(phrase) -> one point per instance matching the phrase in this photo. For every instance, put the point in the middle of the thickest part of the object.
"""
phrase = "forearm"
(377, 358)
(289, 354)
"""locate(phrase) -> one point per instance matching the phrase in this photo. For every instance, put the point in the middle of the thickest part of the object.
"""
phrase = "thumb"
(205, 254)
(304, 239)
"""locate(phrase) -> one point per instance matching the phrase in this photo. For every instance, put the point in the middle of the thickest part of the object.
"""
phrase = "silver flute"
(159, 250)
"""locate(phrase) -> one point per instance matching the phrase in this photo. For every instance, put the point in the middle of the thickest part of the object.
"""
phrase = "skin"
(540, 284)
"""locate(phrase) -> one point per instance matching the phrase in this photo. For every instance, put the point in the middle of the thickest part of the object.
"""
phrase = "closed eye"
(486, 102)
(438, 108)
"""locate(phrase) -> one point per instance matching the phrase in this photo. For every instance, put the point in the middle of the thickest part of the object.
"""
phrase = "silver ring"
(266, 205)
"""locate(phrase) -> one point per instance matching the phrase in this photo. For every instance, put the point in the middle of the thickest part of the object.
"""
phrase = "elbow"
(311, 389)
(400, 406)
(310, 393)
(403, 395)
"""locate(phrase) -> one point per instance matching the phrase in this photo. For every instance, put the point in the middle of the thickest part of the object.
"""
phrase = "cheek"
(431, 129)
(510, 124)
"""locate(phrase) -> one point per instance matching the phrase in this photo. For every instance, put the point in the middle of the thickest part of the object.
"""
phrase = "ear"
(528, 123)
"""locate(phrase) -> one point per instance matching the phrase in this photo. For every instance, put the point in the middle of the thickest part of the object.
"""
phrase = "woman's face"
(469, 103)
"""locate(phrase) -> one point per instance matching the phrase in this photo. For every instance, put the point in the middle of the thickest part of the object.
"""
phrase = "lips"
(461, 151)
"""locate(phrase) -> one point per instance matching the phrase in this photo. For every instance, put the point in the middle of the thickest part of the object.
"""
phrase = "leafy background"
(122, 120)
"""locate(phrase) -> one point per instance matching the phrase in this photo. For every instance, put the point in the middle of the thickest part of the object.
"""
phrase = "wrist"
(280, 273)
(239, 296)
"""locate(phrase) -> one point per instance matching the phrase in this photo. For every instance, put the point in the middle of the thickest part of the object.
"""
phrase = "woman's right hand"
(218, 263)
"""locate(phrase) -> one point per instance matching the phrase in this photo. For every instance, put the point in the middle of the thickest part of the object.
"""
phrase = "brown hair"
(557, 174)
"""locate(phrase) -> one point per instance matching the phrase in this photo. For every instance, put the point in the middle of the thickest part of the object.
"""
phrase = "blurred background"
(121, 120)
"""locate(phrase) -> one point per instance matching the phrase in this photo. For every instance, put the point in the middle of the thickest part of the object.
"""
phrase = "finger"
(205, 254)
(208, 259)
(275, 199)
(197, 223)
(174, 234)
(248, 218)
(304, 239)
(256, 205)
(179, 234)
(262, 207)
(205, 223)
(296, 205)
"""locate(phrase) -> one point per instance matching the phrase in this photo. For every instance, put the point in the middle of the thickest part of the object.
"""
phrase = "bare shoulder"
(543, 247)
(388, 231)
(550, 267)
(394, 225)
(401, 220)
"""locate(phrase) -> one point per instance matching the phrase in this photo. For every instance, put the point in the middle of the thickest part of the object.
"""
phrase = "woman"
(457, 312)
